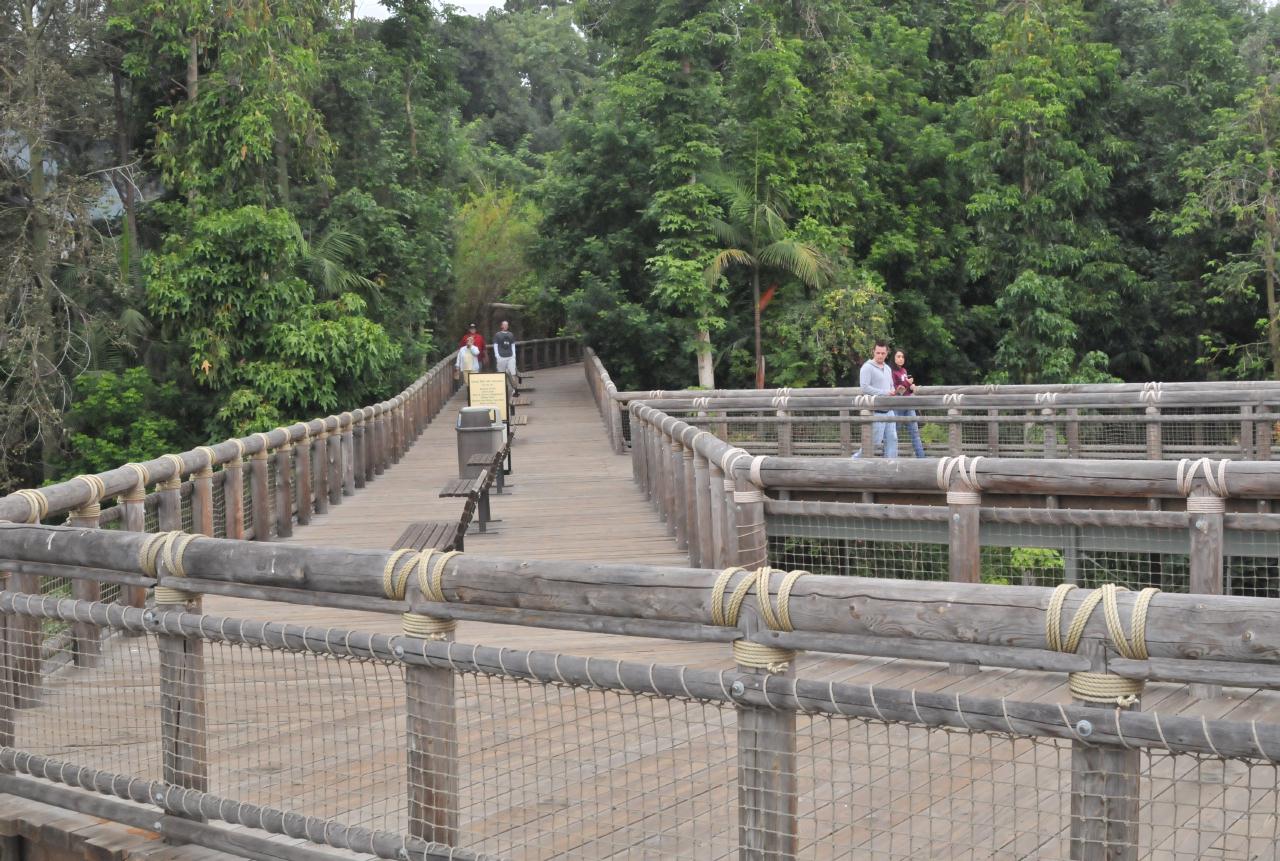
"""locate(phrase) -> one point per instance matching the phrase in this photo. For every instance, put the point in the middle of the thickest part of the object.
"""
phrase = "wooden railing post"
(233, 493)
(184, 745)
(1262, 433)
(1206, 511)
(380, 441)
(767, 785)
(333, 481)
(866, 434)
(955, 433)
(718, 557)
(169, 497)
(1073, 432)
(1050, 433)
(302, 468)
(320, 470)
(88, 637)
(1155, 448)
(1106, 783)
(784, 432)
(432, 730)
(260, 490)
(964, 556)
(24, 643)
(8, 694)
(349, 454)
(993, 434)
(676, 495)
(284, 487)
(702, 506)
(133, 518)
(359, 457)
(846, 435)
(202, 494)
(689, 503)
(395, 424)
(1246, 432)
(370, 444)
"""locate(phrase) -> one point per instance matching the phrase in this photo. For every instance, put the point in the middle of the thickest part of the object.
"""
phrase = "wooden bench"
(494, 462)
(444, 535)
(476, 492)
(519, 421)
(521, 402)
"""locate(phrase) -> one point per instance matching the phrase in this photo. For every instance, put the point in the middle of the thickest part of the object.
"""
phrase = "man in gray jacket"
(876, 378)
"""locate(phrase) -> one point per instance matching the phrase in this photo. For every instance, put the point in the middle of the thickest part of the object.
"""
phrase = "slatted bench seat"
(462, 486)
(443, 535)
(519, 421)
(476, 491)
(521, 402)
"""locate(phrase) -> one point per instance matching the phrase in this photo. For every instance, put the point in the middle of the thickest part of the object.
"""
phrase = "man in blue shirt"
(876, 378)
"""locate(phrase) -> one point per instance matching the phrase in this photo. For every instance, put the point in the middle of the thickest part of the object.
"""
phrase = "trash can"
(479, 432)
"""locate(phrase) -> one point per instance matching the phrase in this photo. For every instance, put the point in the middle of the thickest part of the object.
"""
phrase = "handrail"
(386, 429)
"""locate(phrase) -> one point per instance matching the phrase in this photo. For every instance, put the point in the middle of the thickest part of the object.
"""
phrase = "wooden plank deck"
(533, 789)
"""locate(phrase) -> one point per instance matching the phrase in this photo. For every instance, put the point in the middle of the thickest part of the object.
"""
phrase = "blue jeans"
(883, 432)
(913, 429)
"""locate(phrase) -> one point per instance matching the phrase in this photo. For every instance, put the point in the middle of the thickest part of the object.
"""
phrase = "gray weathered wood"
(1201, 627)
(767, 787)
(1105, 794)
(183, 731)
(260, 494)
(320, 473)
(284, 491)
(202, 501)
(8, 703)
(233, 498)
(337, 468)
(432, 743)
(702, 507)
(87, 637)
(302, 481)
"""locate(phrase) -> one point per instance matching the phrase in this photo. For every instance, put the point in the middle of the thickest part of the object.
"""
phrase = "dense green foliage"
(224, 215)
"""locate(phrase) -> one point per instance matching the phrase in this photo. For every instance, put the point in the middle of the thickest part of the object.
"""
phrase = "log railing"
(1155, 422)
(291, 474)
(1199, 526)
(795, 737)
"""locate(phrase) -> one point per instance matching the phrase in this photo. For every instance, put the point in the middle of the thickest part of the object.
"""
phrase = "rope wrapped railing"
(768, 700)
(318, 462)
(988, 624)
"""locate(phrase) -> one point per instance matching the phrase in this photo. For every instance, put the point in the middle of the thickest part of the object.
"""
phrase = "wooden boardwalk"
(551, 772)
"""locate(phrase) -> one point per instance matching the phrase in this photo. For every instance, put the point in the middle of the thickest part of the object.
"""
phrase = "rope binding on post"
(37, 504)
(1101, 687)
(174, 481)
(97, 490)
(778, 618)
(430, 579)
(170, 548)
(137, 493)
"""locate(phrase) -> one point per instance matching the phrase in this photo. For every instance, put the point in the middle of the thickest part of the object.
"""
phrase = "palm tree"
(756, 236)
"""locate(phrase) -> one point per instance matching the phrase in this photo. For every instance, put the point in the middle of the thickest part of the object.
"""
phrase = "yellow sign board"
(489, 390)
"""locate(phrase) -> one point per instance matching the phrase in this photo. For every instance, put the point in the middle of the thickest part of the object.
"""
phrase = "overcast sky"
(373, 9)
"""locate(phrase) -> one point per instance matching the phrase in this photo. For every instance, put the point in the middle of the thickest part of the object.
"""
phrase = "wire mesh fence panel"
(272, 503)
(876, 790)
(186, 495)
(104, 716)
(1204, 807)
(551, 771)
(247, 495)
(904, 550)
(313, 734)
(1251, 563)
(219, 505)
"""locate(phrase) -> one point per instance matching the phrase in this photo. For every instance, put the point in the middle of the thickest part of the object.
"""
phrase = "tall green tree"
(756, 238)
(1039, 171)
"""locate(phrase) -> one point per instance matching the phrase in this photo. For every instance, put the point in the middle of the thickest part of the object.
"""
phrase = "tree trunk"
(123, 184)
(43, 348)
(755, 307)
(706, 365)
(193, 68)
(281, 146)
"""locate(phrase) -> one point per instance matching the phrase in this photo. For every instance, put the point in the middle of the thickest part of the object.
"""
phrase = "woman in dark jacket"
(904, 384)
